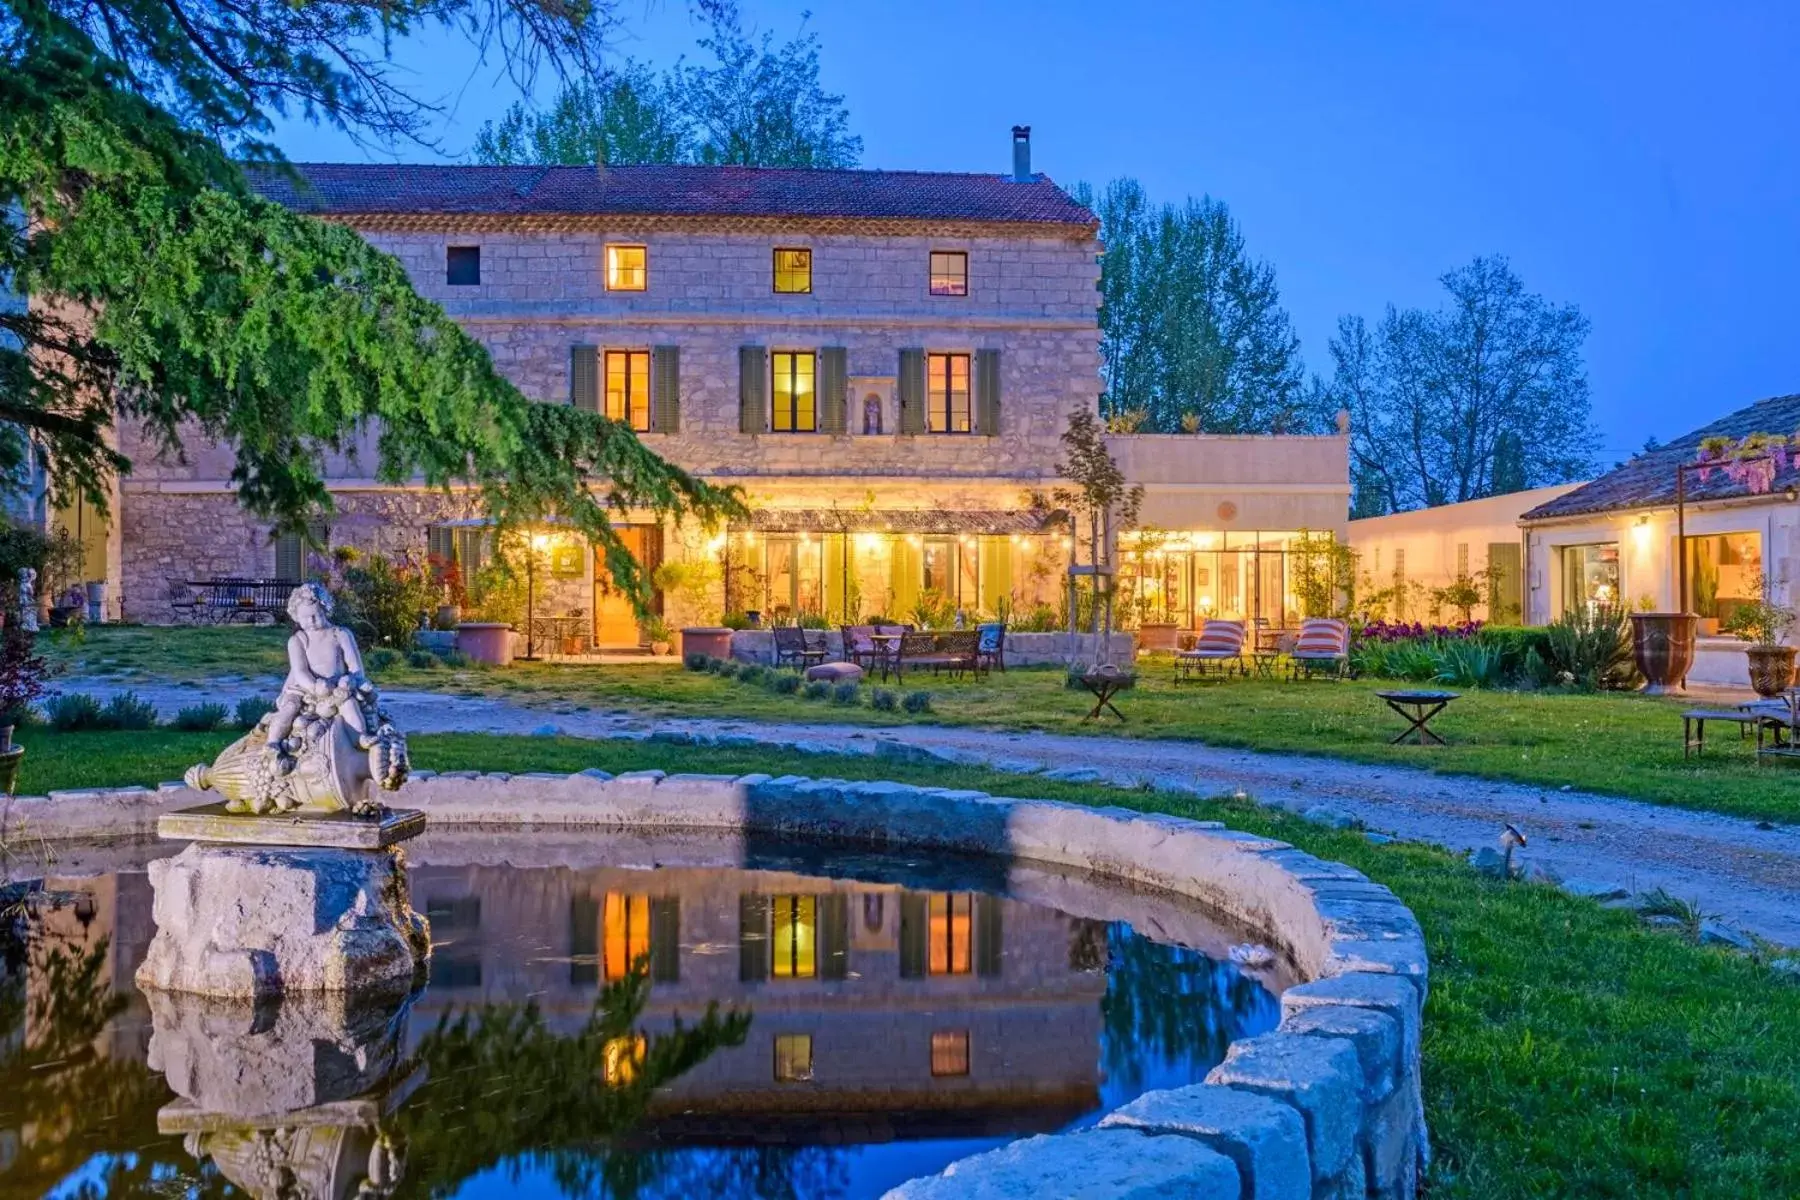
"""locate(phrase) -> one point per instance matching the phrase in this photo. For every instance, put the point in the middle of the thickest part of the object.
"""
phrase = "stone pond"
(738, 986)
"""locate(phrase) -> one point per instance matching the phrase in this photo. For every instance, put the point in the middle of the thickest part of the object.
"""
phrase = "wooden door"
(1506, 580)
(615, 621)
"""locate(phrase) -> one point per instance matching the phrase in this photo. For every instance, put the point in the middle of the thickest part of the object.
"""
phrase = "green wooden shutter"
(987, 392)
(753, 938)
(915, 926)
(753, 378)
(665, 389)
(440, 543)
(834, 382)
(584, 940)
(988, 936)
(912, 391)
(289, 555)
(834, 936)
(584, 378)
(665, 939)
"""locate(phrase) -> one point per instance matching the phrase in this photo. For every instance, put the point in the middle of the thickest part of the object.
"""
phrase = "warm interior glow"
(625, 927)
(795, 942)
(621, 1057)
(948, 951)
(793, 1057)
(540, 541)
(625, 268)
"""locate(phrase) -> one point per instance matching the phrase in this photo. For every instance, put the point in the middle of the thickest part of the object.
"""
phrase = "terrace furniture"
(990, 645)
(1777, 720)
(1418, 708)
(1323, 648)
(1220, 652)
(1105, 682)
(955, 651)
(222, 601)
(860, 646)
(794, 648)
(1693, 726)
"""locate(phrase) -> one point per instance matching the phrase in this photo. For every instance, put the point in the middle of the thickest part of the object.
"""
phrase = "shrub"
(250, 710)
(784, 683)
(696, 662)
(1591, 648)
(423, 660)
(751, 673)
(845, 693)
(127, 711)
(883, 700)
(381, 658)
(735, 621)
(455, 658)
(384, 602)
(728, 668)
(917, 702)
(22, 676)
(73, 711)
(812, 620)
(818, 689)
(201, 718)
(1039, 618)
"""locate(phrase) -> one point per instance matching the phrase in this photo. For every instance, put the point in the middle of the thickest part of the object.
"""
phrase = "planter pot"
(1706, 626)
(489, 642)
(1771, 669)
(711, 640)
(1157, 635)
(1662, 644)
(660, 649)
(449, 616)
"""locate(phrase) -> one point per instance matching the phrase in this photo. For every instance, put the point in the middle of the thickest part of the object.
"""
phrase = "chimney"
(1021, 154)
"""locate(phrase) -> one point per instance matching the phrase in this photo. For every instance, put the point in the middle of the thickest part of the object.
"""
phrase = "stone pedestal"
(254, 921)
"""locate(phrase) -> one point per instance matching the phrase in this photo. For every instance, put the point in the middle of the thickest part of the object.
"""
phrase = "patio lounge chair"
(1322, 649)
(859, 646)
(794, 648)
(990, 645)
(1219, 652)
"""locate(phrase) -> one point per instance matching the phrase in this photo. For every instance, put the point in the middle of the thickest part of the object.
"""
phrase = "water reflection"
(681, 1032)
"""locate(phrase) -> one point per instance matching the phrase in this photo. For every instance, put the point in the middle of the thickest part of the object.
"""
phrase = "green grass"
(150, 652)
(1624, 745)
(1569, 1051)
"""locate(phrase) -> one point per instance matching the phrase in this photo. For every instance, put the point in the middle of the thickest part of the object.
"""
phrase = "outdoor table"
(1105, 684)
(1423, 706)
(1262, 663)
(887, 645)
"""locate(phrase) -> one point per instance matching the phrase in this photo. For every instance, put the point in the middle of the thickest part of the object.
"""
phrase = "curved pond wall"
(1328, 1105)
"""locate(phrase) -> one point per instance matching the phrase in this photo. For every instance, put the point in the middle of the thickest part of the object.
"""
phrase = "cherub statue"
(325, 675)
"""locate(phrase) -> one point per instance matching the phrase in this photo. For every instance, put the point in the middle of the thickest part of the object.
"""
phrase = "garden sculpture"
(326, 742)
(28, 616)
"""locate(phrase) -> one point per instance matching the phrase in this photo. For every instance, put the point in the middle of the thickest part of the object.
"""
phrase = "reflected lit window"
(794, 945)
(793, 271)
(793, 1057)
(626, 269)
(626, 925)
(950, 1052)
(950, 949)
(621, 1058)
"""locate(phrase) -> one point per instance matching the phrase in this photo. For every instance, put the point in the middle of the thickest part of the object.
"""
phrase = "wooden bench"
(1693, 726)
(955, 651)
(222, 601)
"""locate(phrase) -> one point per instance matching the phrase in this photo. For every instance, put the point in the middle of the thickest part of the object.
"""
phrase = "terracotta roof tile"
(1649, 479)
(684, 191)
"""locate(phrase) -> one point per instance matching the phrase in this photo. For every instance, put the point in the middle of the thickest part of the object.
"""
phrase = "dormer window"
(627, 268)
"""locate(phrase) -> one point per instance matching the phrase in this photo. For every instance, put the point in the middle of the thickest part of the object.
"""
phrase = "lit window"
(621, 1057)
(628, 387)
(1724, 571)
(950, 1052)
(626, 922)
(793, 1057)
(462, 266)
(794, 942)
(625, 269)
(794, 409)
(793, 271)
(947, 393)
(950, 925)
(949, 273)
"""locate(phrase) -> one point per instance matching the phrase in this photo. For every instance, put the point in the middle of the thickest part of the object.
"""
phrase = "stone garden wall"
(1022, 649)
(1327, 1106)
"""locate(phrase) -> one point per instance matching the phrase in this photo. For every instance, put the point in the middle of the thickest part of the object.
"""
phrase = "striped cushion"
(1221, 637)
(1322, 637)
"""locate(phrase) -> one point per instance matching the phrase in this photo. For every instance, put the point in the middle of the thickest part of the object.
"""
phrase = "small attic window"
(462, 266)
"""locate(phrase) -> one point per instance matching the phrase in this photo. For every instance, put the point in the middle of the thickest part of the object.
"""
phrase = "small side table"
(1418, 708)
(1105, 683)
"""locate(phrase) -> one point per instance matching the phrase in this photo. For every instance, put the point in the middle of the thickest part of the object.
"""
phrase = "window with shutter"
(628, 387)
(665, 382)
(912, 391)
(947, 393)
(834, 384)
(794, 407)
(584, 378)
(987, 392)
(753, 414)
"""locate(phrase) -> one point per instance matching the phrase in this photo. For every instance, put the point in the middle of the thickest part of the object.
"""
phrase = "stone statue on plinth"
(295, 883)
(28, 614)
(327, 740)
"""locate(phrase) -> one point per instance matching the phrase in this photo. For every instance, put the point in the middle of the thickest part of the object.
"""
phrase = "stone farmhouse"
(883, 360)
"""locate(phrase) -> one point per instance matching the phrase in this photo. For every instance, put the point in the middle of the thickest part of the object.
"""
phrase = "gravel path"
(1732, 868)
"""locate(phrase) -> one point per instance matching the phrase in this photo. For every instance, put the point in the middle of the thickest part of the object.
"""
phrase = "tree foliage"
(754, 103)
(190, 306)
(1485, 395)
(1192, 333)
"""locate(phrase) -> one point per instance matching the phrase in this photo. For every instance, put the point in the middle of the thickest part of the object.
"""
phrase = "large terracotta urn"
(1157, 635)
(714, 641)
(489, 642)
(1771, 669)
(1662, 644)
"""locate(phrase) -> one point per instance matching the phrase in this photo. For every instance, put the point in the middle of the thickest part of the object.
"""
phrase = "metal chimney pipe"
(1021, 154)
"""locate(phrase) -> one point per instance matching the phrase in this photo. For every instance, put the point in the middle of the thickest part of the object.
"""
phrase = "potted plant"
(656, 632)
(1763, 623)
(22, 676)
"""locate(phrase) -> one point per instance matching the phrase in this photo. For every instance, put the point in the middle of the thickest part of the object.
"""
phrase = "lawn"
(1569, 1050)
(1624, 745)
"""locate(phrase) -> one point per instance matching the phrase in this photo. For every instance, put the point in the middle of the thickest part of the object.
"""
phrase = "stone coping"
(314, 830)
(1327, 1105)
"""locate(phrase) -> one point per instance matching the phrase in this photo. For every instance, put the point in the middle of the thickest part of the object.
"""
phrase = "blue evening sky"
(1636, 159)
